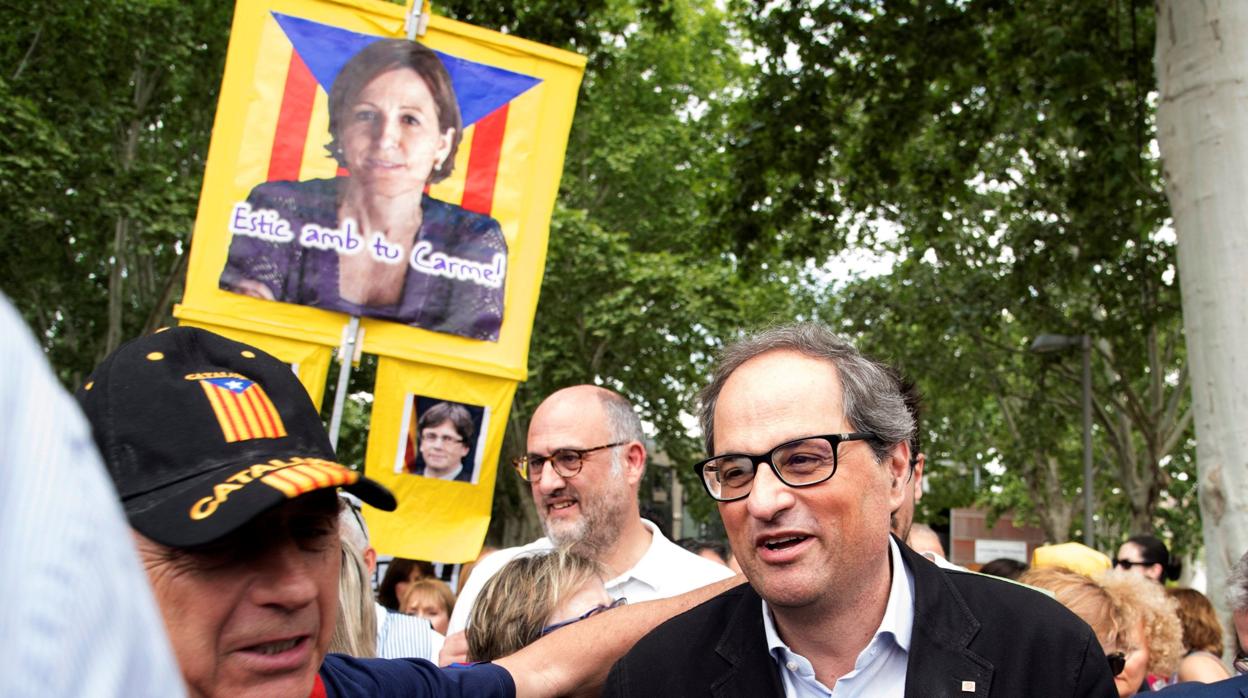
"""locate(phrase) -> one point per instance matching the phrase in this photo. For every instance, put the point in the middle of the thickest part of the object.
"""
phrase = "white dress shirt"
(879, 671)
(665, 570)
(400, 636)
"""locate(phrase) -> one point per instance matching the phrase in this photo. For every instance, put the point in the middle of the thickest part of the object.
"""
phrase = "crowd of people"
(250, 571)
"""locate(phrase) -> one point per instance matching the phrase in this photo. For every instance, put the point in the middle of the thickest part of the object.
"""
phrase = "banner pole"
(346, 355)
(417, 18)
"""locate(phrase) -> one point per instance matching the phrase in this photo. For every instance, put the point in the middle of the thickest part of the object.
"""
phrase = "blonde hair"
(1086, 598)
(429, 588)
(355, 631)
(1201, 628)
(1148, 602)
(515, 604)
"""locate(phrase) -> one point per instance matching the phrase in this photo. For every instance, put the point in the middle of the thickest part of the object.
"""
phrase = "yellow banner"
(309, 361)
(354, 173)
(435, 442)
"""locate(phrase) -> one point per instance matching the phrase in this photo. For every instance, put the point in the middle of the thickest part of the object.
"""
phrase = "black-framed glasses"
(798, 463)
(1128, 564)
(567, 462)
(591, 612)
(1117, 662)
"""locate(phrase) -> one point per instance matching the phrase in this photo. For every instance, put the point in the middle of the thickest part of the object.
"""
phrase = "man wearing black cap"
(228, 480)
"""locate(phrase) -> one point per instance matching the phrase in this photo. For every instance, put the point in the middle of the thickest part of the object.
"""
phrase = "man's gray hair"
(351, 525)
(1237, 586)
(870, 397)
(622, 419)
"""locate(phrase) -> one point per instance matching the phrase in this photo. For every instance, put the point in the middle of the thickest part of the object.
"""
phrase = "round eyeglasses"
(566, 461)
(798, 463)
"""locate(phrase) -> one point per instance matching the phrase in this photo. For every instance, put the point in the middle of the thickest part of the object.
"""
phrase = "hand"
(455, 649)
(255, 289)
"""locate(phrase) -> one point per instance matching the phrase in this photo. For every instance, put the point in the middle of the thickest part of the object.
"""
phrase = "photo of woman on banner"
(373, 243)
(441, 445)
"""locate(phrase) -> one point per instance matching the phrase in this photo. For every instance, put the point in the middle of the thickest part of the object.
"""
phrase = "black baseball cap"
(201, 434)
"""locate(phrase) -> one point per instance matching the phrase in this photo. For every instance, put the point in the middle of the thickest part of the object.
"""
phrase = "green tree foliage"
(106, 118)
(635, 297)
(1003, 152)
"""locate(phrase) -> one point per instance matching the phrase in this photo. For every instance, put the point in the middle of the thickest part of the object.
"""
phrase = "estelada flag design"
(307, 474)
(314, 53)
(243, 409)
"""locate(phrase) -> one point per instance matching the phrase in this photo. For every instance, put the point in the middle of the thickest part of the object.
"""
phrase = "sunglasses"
(1128, 564)
(1117, 662)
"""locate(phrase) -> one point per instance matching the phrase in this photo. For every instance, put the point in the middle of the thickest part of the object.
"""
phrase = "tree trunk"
(144, 85)
(1202, 70)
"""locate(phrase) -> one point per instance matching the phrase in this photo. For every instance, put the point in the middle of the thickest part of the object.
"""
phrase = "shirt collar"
(898, 620)
(653, 567)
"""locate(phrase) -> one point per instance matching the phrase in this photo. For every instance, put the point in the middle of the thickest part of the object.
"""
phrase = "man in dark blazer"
(833, 600)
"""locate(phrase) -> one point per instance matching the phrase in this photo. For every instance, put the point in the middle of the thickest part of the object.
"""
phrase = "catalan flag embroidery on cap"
(242, 408)
(307, 474)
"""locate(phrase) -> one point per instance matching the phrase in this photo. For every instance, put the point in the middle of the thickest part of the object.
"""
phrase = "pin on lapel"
(968, 686)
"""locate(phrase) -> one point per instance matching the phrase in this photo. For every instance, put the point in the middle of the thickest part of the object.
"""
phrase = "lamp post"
(1048, 343)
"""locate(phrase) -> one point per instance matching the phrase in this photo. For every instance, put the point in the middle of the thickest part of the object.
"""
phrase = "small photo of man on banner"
(440, 439)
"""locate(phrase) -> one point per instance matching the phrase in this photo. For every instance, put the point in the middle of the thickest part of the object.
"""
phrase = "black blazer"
(1005, 639)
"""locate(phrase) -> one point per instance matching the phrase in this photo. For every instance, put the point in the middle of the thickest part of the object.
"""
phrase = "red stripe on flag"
(224, 395)
(292, 121)
(261, 412)
(246, 431)
(487, 147)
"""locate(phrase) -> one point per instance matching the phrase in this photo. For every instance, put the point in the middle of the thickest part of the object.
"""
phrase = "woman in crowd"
(1156, 634)
(532, 596)
(373, 243)
(1132, 619)
(1202, 638)
(1148, 556)
(430, 599)
(400, 573)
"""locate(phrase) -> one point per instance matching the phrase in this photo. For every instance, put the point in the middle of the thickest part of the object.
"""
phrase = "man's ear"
(634, 462)
(919, 461)
(897, 465)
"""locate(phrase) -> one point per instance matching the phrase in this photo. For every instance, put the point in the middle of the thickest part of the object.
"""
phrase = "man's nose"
(550, 480)
(287, 575)
(769, 496)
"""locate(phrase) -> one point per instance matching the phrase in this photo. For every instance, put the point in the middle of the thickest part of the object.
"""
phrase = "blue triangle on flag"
(479, 88)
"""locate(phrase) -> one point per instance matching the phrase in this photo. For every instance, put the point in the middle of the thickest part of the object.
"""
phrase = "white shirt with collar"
(880, 669)
(665, 570)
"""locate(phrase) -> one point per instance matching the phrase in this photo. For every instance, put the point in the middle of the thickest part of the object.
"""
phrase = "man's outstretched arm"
(576, 659)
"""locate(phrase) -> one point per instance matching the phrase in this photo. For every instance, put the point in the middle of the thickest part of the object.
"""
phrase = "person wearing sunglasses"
(1135, 623)
(1148, 556)
(585, 459)
(809, 456)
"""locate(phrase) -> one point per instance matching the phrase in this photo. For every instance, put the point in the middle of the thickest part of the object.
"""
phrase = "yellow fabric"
(1075, 557)
(529, 168)
(436, 520)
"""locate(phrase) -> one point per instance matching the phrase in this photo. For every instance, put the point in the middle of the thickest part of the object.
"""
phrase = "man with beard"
(585, 461)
